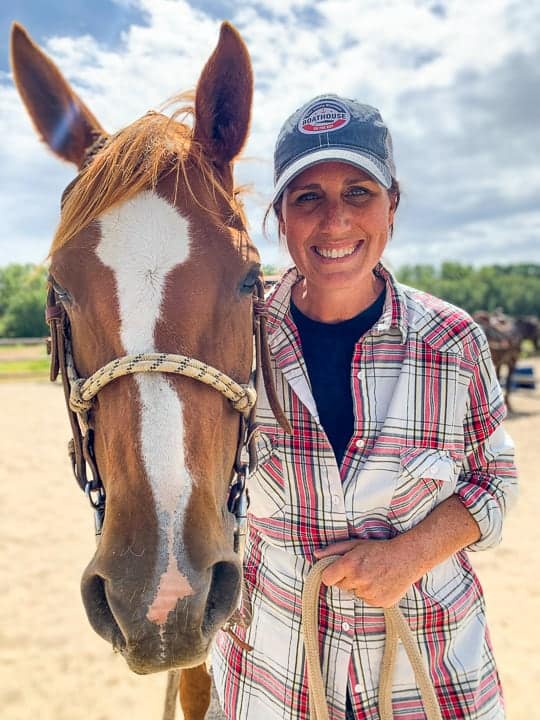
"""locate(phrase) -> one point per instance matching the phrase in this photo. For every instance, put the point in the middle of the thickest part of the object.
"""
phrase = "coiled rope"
(396, 627)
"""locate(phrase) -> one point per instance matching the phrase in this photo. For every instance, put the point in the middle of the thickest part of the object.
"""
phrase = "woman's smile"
(331, 253)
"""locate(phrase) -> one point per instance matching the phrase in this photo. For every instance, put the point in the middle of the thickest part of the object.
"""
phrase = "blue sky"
(457, 82)
(105, 20)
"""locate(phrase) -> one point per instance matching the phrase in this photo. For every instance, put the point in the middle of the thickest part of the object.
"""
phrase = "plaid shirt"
(428, 412)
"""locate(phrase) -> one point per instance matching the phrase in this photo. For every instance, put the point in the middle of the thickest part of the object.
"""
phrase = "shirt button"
(360, 374)
(345, 626)
(360, 443)
(358, 688)
(336, 499)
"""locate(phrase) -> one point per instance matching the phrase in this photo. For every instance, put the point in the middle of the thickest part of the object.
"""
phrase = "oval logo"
(324, 116)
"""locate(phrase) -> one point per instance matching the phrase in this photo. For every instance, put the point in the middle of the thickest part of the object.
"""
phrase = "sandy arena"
(53, 665)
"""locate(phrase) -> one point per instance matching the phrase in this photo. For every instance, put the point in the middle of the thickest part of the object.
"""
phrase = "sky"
(456, 81)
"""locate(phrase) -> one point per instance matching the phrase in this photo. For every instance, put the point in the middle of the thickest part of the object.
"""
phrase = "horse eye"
(235, 221)
(61, 293)
(249, 282)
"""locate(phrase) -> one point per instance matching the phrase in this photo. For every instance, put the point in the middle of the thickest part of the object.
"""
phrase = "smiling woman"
(398, 463)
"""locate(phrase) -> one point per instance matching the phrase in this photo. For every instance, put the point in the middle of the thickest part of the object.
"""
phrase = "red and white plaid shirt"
(428, 413)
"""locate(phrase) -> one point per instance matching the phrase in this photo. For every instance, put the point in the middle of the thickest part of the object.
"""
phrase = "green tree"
(423, 277)
(513, 288)
(22, 301)
(11, 278)
(268, 269)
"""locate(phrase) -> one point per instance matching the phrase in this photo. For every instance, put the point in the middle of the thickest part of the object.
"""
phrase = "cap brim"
(326, 155)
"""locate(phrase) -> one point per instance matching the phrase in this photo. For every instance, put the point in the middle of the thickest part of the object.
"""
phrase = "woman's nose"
(336, 216)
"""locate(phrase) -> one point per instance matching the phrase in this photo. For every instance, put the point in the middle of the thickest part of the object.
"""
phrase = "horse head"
(151, 255)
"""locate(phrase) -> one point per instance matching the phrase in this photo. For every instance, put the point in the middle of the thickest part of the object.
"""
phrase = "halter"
(80, 392)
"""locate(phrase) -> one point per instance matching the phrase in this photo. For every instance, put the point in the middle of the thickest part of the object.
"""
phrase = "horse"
(151, 267)
(528, 327)
(505, 336)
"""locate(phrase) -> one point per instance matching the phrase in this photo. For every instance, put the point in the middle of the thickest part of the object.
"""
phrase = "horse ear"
(60, 117)
(223, 98)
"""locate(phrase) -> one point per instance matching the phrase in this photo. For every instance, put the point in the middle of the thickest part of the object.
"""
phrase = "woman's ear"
(282, 229)
(394, 202)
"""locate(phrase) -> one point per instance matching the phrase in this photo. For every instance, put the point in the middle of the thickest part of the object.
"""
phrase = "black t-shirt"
(328, 349)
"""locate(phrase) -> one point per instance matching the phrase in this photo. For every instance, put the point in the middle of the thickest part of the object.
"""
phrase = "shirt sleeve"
(487, 484)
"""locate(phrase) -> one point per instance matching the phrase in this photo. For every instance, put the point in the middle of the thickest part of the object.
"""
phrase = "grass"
(23, 361)
(24, 367)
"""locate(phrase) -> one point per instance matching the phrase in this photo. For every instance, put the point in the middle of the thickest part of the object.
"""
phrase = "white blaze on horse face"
(142, 240)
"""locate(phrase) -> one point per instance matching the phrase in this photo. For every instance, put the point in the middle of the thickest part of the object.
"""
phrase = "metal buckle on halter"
(96, 496)
(238, 505)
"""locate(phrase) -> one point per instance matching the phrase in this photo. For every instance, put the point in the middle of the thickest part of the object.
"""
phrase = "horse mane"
(132, 160)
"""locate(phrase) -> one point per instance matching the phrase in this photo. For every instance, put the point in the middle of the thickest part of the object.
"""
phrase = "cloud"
(456, 82)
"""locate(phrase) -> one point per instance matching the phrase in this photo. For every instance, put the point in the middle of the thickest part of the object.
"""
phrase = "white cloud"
(456, 82)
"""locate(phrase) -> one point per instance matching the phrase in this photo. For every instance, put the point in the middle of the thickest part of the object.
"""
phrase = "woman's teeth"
(334, 253)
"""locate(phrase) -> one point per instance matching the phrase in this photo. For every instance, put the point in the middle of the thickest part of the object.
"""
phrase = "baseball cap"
(330, 127)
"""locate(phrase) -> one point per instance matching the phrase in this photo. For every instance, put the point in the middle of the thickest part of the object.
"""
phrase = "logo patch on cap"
(324, 116)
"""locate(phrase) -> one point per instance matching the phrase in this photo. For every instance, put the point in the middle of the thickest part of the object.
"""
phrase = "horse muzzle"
(118, 611)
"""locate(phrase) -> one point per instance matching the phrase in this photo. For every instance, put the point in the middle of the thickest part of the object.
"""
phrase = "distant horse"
(151, 258)
(505, 336)
(528, 326)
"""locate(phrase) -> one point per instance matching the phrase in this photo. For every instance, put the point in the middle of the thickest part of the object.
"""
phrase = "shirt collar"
(394, 313)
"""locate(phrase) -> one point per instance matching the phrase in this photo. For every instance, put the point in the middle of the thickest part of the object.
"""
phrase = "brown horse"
(505, 336)
(151, 256)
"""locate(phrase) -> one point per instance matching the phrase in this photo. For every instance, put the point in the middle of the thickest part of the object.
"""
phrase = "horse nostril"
(222, 596)
(99, 611)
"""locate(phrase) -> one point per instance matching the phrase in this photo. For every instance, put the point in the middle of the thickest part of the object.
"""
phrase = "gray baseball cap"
(330, 127)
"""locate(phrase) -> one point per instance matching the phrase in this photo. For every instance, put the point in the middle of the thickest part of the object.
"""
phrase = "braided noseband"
(83, 391)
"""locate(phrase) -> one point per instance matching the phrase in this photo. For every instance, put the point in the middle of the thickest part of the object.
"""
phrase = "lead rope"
(396, 627)
(171, 694)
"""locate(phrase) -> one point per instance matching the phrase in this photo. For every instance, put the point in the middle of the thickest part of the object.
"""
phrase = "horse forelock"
(135, 159)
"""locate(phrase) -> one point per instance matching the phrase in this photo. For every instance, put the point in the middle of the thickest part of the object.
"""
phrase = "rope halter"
(84, 390)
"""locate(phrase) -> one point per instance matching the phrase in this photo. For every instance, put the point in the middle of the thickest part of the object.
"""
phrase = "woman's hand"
(374, 570)
(381, 571)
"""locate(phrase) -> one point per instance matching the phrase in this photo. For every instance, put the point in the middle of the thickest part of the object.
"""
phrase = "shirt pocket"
(266, 484)
(430, 464)
(426, 478)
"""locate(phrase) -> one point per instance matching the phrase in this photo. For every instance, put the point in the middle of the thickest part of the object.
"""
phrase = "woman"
(398, 461)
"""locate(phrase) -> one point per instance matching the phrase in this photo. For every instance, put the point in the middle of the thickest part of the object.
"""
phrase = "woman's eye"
(307, 197)
(357, 191)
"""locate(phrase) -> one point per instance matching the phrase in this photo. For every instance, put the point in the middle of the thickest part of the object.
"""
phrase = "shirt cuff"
(487, 498)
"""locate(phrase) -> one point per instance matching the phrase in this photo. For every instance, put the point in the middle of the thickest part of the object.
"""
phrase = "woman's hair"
(395, 193)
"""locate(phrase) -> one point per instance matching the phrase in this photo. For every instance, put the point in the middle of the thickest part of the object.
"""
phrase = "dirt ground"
(53, 666)
(22, 352)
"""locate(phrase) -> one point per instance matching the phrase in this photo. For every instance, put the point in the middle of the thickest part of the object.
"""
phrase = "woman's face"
(336, 221)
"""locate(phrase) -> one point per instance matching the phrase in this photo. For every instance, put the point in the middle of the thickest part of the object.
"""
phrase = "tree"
(268, 269)
(11, 278)
(513, 288)
(22, 301)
